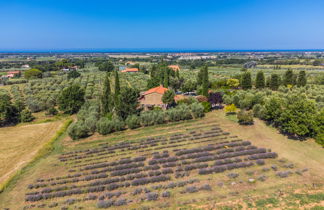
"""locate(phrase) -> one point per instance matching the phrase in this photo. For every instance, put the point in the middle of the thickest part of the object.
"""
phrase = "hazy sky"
(204, 24)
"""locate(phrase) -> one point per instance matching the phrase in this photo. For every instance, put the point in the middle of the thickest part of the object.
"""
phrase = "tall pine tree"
(246, 81)
(260, 80)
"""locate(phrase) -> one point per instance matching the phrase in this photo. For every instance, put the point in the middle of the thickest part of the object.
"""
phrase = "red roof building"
(174, 67)
(130, 70)
(153, 97)
(13, 72)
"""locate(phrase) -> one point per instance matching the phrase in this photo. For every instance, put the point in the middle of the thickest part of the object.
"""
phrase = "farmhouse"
(174, 67)
(153, 97)
(11, 74)
(130, 70)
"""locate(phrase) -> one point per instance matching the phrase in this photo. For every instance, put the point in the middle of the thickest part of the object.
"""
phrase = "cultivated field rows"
(205, 163)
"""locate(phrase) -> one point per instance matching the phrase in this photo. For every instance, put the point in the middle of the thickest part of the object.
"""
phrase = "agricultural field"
(198, 164)
(19, 144)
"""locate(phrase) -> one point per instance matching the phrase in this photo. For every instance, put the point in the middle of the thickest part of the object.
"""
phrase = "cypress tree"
(117, 84)
(106, 96)
(301, 79)
(260, 80)
(268, 82)
(117, 92)
(177, 74)
(200, 76)
(246, 82)
(274, 82)
(205, 81)
(288, 77)
(166, 78)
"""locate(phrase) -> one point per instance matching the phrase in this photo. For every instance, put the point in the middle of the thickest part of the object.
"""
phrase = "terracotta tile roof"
(13, 72)
(130, 70)
(160, 89)
(174, 67)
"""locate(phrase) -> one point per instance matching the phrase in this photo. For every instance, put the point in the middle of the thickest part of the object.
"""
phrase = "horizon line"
(148, 50)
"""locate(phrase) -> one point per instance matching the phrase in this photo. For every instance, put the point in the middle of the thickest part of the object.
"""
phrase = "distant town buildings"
(25, 66)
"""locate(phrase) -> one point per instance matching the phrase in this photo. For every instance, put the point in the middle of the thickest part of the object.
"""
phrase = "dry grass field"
(175, 166)
(19, 144)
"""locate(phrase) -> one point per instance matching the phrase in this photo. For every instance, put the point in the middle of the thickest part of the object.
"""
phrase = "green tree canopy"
(73, 74)
(246, 81)
(129, 102)
(274, 82)
(301, 81)
(71, 99)
(297, 118)
(33, 74)
(260, 80)
(168, 97)
(288, 78)
(106, 66)
(8, 112)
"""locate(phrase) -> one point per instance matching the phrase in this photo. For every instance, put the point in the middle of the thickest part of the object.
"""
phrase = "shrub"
(120, 202)
(184, 112)
(245, 117)
(133, 122)
(191, 189)
(90, 123)
(206, 187)
(104, 204)
(77, 131)
(197, 110)
(26, 116)
(118, 124)
(105, 126)
(233, 175)
(147, 118)
(51, 111)
(230, 109)
(258, 111)
(173, 115)
(166, 194)
(206, 105)
(153, 196)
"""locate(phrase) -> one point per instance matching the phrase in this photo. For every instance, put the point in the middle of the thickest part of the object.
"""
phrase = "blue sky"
(206, 24)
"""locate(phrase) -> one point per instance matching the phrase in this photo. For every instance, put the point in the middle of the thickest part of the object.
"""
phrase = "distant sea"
(151, 50)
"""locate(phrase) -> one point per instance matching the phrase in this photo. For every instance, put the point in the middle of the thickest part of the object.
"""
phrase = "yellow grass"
(19, 144)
